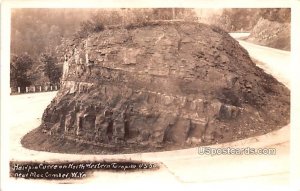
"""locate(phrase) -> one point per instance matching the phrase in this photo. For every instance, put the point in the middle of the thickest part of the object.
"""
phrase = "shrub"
(88, 27)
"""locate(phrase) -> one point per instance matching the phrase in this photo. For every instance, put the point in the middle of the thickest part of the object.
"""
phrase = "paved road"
(183, 166)
(239, 35)
(273, 61)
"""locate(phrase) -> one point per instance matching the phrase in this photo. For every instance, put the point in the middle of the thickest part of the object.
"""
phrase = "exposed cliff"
(157, 87)
(272, 34)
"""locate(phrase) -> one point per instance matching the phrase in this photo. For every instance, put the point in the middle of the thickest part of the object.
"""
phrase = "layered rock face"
(165, 85)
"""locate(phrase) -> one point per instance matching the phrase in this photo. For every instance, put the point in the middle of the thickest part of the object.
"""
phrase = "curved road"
(273, 61)
(182, 166)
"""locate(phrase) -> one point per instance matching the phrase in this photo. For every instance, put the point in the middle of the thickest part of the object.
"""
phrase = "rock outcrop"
(272, 34)
(163, 86)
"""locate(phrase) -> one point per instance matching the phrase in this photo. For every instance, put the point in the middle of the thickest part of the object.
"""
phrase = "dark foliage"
(50, 69)
(89, 27)
(19, 70)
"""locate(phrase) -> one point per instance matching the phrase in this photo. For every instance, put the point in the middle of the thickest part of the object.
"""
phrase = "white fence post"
(39, 88)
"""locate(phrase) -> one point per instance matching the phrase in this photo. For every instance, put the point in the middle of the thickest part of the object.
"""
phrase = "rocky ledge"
(159, 86)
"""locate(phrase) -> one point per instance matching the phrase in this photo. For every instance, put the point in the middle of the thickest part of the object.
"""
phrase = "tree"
(50, 69)
(20, 67)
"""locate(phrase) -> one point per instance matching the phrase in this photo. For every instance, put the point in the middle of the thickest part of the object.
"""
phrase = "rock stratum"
(160, 86)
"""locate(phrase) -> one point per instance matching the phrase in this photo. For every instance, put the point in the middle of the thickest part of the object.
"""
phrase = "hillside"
(272, 34)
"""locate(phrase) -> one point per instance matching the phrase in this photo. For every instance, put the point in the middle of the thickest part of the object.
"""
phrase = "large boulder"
(163, 85)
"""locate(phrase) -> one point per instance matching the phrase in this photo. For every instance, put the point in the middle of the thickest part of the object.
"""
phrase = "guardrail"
(34, 89)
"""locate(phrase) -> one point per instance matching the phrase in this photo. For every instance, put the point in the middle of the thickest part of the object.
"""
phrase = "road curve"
(273, 61)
